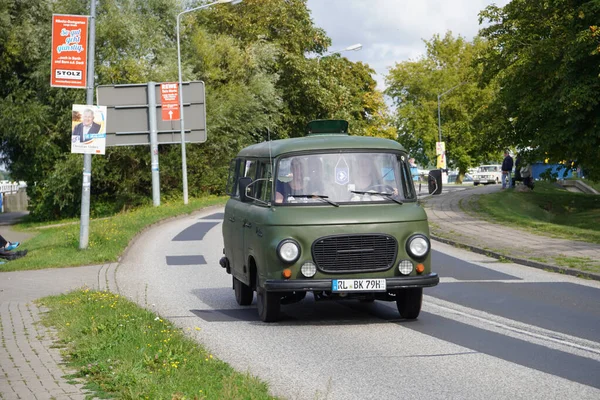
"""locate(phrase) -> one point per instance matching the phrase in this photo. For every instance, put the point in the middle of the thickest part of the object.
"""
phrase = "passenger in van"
(296, 186)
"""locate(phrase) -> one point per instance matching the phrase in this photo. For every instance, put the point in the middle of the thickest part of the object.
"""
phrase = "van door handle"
(231, 219)
(247, 224)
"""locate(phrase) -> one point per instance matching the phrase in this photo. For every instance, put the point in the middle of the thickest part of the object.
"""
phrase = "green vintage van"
(328, 213)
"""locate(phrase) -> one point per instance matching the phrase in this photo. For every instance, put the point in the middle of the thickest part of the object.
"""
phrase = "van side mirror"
(243, 186)
(434, 181)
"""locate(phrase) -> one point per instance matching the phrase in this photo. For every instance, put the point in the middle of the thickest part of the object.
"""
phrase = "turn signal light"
(420, 268)
(287, 273)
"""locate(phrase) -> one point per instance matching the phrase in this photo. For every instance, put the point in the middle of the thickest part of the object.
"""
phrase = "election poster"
(88, 129)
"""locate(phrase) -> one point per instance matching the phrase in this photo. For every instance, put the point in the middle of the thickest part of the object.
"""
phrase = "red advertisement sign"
(169, 97)
(69, 51)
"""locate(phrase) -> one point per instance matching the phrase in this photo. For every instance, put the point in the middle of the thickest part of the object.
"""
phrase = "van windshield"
(343, 178)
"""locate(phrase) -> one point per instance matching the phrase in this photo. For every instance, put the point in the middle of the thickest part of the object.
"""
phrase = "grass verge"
(122, 351)
(548, 210)
(57, 245)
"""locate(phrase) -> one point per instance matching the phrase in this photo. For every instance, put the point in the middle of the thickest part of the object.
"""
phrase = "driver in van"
(365, 176)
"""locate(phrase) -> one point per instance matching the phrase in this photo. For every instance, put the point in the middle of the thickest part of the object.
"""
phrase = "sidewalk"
(30, 364)
(450, 222)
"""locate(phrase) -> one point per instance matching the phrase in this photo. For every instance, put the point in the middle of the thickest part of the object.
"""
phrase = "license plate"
(358, 285)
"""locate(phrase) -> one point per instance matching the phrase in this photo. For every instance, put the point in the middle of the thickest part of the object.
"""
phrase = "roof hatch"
(327, 126)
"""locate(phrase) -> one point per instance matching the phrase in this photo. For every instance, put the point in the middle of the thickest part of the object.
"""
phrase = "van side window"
(265, 185)
(231, 187)
(250, 170)
(407, 181)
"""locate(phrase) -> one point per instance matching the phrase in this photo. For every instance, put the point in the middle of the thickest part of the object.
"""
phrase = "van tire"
(243, 292)
(268, 304)
(409, 302)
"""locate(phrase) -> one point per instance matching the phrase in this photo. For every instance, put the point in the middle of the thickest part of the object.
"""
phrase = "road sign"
(69, 51)
(169, 98)
(127, 115)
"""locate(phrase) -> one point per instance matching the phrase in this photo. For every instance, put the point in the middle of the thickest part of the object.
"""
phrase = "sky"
(392, 31)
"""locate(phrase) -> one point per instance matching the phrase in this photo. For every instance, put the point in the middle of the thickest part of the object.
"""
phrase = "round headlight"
(309, 269)
(288, 251)
(418, 246)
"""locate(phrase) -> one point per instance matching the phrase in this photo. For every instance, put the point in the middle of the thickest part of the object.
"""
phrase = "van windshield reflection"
(360, 177)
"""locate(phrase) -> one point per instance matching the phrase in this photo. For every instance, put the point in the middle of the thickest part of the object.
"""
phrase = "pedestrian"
(414, 170)
(518, 166)
(507, 166)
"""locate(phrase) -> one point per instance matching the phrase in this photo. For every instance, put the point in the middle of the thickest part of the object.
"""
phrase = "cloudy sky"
(392, 31)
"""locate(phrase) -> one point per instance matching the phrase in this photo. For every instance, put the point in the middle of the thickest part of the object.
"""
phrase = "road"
(490, 330)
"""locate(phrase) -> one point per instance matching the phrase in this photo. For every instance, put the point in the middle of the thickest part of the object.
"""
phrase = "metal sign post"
(84, 229)
(153, 144)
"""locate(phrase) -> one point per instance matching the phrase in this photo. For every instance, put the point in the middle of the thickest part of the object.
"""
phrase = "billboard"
(88, 133)
(69, 51)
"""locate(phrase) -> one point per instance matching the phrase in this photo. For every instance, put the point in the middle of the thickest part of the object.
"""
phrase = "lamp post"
(439, 115)
(354, 47)
(181, 119)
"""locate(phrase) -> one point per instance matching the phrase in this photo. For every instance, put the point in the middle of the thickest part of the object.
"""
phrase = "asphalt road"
(490, 330)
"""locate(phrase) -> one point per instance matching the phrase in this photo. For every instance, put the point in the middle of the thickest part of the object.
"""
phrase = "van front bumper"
(305, 285)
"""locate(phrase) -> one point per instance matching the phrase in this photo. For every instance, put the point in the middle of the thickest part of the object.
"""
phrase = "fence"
(13, 196)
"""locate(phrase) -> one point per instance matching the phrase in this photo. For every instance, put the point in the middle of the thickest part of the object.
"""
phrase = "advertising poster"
(169, 98)
(88, 129)
(440, 152)
(69, 51)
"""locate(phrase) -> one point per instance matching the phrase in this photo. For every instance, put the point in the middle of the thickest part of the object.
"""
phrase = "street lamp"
(354, 47)
(181, 119)
(438, 98)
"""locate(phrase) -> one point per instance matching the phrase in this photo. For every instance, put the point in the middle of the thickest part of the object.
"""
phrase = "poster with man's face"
(88, 129)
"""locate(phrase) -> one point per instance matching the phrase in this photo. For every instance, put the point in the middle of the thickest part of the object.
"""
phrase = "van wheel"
(267, 304)
(409, 302)
(243, 292)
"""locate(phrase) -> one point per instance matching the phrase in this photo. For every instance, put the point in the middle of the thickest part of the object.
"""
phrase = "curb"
(566, 271)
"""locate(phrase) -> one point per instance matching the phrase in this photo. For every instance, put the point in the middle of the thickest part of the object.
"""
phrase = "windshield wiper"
(388, 195)
(317, 196)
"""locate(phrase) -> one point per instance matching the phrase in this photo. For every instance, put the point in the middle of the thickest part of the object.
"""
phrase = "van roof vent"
(327, 126)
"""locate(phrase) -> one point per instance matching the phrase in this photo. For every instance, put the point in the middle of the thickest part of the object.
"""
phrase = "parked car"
(302, 218)
(488, 174)
(466, 179)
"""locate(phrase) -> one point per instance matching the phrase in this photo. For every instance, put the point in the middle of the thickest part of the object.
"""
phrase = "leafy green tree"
(255, 59)
(545, 59)
(446, 70)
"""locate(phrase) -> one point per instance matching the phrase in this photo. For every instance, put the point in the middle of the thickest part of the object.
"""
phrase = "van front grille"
(354, 253)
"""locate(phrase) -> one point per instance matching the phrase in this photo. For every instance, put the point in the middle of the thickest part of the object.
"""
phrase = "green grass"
(57, 245)
(548, 210)
(120, 350)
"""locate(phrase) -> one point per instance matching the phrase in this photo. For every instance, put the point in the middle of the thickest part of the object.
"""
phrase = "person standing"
(88, 126)
(517, 177)
(507, 166)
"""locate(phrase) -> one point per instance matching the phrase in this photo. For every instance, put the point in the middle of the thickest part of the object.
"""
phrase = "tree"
(255, 59)
(545, 59)
(414, 87)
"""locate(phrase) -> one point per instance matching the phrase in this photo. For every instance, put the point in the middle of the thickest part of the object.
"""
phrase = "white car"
(488, 174)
